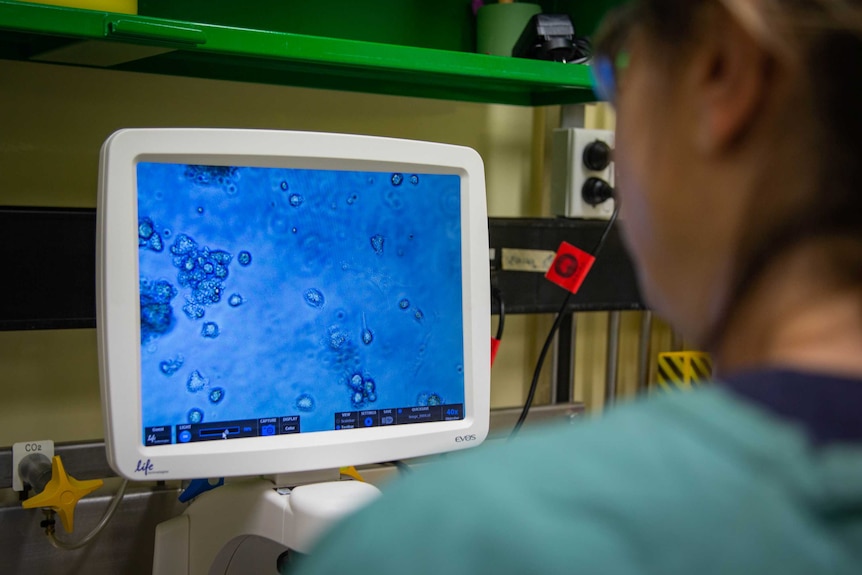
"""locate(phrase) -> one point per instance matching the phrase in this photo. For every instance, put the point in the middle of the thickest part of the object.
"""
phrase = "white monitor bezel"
(118, 301)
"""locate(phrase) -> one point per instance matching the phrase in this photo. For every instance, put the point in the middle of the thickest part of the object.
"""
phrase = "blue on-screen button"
(185, 436)
(369, 422)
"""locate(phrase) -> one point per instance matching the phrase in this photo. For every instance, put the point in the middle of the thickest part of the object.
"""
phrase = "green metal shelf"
(36, 32)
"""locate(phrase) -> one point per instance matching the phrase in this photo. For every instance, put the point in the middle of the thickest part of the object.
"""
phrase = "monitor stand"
(243, 527)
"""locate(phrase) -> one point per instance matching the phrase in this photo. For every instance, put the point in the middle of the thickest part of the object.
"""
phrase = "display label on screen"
(279, 301)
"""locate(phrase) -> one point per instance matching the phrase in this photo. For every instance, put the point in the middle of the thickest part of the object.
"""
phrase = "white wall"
(53, 120)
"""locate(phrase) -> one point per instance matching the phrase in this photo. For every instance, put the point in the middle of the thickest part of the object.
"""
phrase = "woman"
(739, 161)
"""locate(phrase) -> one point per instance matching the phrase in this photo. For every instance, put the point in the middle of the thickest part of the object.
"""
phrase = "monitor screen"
(278, 302)
(281, 301)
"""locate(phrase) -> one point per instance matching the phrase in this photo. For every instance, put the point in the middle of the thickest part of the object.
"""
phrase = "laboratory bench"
(126, 544)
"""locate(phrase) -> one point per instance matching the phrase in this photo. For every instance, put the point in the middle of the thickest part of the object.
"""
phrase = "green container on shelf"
(498, 26)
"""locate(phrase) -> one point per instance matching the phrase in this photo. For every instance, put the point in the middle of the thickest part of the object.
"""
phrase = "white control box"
(570, 173)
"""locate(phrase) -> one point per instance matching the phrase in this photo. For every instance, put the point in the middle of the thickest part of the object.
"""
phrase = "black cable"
(502, 323)
(554, 328)
(537, 372)
(403, 468)
(611, 221)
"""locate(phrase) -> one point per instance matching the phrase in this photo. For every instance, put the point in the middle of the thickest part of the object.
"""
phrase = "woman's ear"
(732, 74)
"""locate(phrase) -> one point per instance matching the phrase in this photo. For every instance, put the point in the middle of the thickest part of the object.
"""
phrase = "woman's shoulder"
(691, 473)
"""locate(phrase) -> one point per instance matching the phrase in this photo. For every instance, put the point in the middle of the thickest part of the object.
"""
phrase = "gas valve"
(55, 489)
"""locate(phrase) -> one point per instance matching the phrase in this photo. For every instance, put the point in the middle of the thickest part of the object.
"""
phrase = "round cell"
(314, 298)
(216, 395)
(235, 300)
(295, 200)
(397, 179)
(210, 329)
(377, 244)
(337, 338)
(145, 228)
(404, 303)
(200, 209)
(357, 398)
(244, 258)
(356, 381)
(414, 179)
(284, 186)
(351, 199)
(305, 403)
(293, 230)
(367, 336)
(195, 415)
(418, 315)
(370, 386)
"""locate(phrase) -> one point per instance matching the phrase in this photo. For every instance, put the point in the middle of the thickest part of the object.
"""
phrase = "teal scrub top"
(698, 483)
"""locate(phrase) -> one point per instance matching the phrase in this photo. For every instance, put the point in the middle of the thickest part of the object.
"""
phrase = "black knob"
(596, 191)
(597, 155)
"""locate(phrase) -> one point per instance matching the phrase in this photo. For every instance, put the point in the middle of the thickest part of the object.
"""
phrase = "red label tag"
(495, 345)
(570, 267)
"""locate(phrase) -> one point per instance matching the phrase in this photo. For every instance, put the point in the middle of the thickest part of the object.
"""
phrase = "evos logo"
(463, 438)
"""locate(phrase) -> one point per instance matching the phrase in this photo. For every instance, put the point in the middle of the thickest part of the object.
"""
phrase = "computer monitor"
(273, 302)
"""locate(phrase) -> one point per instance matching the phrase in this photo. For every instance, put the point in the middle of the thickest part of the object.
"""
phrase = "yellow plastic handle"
(62, 494)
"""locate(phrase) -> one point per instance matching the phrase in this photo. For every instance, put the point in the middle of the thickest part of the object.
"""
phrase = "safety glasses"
(604, 72)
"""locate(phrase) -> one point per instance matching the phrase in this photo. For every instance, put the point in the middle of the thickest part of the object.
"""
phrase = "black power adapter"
(552, 37)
